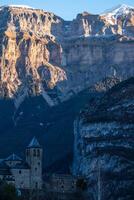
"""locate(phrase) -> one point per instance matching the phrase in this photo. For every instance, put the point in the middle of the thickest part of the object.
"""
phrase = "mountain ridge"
(40, 53)
(47, 67)
(113, 9)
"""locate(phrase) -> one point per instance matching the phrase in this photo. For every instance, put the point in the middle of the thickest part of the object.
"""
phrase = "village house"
(24, 174)
(27, 174)
(62, 183)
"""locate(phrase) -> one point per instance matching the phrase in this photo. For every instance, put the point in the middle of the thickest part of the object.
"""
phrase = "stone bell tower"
(34, 159)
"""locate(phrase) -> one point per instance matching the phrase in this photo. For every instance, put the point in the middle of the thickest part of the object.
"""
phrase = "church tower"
(34, 159)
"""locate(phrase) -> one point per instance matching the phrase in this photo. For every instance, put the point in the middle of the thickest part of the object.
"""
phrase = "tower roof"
(34, 143)
(13, 157)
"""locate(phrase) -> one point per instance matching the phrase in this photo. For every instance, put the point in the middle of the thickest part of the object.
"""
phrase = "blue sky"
(68, 9)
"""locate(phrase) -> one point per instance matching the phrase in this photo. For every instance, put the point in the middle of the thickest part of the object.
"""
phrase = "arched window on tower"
(27, 152)
(36, 185)
(34, 152)
(38, 153)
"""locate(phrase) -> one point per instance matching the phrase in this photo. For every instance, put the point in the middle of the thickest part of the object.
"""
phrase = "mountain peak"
(119, 10)
(124, 6)
(18, 6)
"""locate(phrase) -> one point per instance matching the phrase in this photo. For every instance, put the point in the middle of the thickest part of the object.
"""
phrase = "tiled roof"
(34, 143)
(4, 169)
(13, 157)
(22, 165)
(3, 165)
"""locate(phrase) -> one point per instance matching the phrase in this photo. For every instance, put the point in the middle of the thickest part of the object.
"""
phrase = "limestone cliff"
(104, 144)
(40, 52)
(25, 53)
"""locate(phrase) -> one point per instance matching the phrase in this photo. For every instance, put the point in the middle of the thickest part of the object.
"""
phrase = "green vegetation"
(7, 192)
(81, 184)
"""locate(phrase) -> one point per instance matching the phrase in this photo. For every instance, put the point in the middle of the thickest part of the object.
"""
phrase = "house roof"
(3, 165)
(13, 157)
(11, 178)
(4, 169)
(22, 165)
(34, 143)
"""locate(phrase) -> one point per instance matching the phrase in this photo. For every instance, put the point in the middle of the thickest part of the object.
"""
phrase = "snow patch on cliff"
(20, 6)
(119, 10)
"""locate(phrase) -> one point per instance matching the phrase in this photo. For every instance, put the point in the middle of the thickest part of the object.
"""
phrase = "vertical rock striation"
(41, 52)
(104, 144)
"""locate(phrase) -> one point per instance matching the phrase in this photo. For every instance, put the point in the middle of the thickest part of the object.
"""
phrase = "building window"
(19, 171)
(39, 163)
(35, 168)
(34, 152)
(27, 152)
(62, 187)
(36, 185)
(38, 153)
(72, 186)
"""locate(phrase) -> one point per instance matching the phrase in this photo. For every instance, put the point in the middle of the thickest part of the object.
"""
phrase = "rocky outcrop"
(121, 18)
(104, 144)
(104, 85)
(42, 55)
(25, 54)
(40, 52)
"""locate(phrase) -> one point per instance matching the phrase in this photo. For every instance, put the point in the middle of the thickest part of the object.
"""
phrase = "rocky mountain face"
(41, 52)
(104, 144)
(104, 85)
(123, 17)
(48, 69)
